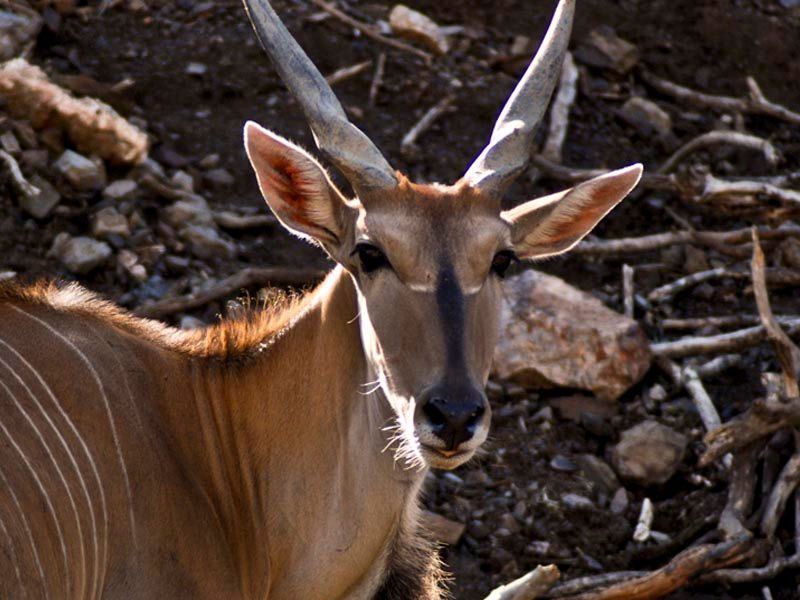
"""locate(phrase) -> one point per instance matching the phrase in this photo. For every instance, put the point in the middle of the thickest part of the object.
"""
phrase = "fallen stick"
(377, 79)
(779, 496)
(755, 103)
(714, 187)
(724, 321)
(429, 118)
(682, 569)
(787, 352)
(559, 112)
(251, 276)
(22, 185)
(656, 241)
(740, 490)
(528, 587)
(642, 531)
(669, 290)
(724, 342)
(772, 569)
(370, 31)
(590, 582)
(346, 73)
(713, 138)
(627, 289)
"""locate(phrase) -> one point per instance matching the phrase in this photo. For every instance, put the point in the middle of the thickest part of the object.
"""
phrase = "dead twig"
(713, 138)
(377, 79)
(724, 321)
(559, 112)
(428, 119)
(779, 496)
(711, 344)
(755, 103)
(741, 490)
(771, 570)
(591, 582)
(346, 73)
(679, 572)
(22, 185)
(671, 289)
(627, 289)
(248, 277)
(528, 587)
(370, 31)
(714, 187)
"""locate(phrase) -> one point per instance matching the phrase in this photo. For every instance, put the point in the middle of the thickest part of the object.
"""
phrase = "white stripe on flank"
(90, 458)
(55, 464)
(102, 389)
(42, 489)
(13, 554)
(45, 587)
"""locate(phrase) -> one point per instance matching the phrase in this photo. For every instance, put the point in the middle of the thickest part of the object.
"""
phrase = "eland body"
(279, 456)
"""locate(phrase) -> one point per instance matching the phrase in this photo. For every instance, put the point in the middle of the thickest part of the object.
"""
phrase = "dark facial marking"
(450, 301)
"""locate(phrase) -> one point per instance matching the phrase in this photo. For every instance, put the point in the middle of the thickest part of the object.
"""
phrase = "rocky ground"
(568, 469)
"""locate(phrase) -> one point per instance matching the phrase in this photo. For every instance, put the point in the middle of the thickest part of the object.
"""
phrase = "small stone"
(35, 160)
(646, 116)
(80, 254)
(197, 69)
(129, 263)
(190, 322)
(9, 143)
(477, 477)
(657, 393)
(561, 463)
(479, 529)
(218, 178)
(604, 49)
(42, 204)
(414, 25)
(108, 221)
(576, 502)
(194, 211)
(543, 415)
(441, 528)
(122, 189)
(83, 174)
(508, 522)
(209, 162)
(206, 243)
(183, 180)
(648, 453)
(619, 502)
(539, 548)
(598, 472)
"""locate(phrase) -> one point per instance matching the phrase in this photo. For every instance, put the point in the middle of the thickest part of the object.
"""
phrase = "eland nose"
(453, 413)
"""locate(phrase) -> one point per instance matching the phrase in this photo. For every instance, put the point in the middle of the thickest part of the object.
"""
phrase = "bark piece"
(94, 127)
(553, 334)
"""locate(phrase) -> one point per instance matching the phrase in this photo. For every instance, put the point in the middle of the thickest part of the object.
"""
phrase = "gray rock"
(218, 178)
(10, 143)
(598, 472)
(576, 501)
(192, 211)
(80, 254)
(107, 222)
(543, 344)
(84, 174)
(183, 180)
(129, 263)
(122, 189)
(563, 464)
(646, 116)
(604, 49)
(648, 453)
(196, 68)
(42, 204)
(205, 242)
(209, 162)
(619, 502)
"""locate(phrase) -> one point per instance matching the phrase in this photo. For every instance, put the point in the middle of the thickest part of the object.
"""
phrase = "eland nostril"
(436, 417)
(453, 415)
(474, 418)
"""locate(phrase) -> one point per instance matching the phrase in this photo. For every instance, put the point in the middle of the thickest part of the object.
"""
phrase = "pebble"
(129, 263)
(108, 221)
(206, 243)
(619, 502)
(576, 501)
(183, 180)
(197, 69)
(10, 143)
(80, 254)
(192, 211)
(122, 189)
(598, 472)
(563, 464)
(646, 116)
(648, 453)
(42, 204)
(209, 162)
(218, 178)
(605, 49)
(84, 174)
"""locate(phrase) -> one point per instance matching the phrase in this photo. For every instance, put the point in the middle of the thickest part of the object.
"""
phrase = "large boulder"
(554, 335)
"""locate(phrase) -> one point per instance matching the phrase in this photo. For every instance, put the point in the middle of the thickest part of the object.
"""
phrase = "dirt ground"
(505, 497)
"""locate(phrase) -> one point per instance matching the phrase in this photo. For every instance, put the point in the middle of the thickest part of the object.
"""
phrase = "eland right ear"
(297, 189)
(554, 224)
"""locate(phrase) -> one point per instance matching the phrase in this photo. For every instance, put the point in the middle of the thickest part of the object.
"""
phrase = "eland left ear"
(554, 224)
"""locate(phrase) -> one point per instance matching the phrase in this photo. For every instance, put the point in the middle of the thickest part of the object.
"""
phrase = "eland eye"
(501, 261)
(371, 257)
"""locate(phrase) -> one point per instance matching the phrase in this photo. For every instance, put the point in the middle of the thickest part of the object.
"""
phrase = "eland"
(280, 456)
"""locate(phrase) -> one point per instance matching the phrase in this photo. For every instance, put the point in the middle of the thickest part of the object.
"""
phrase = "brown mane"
(227, 339)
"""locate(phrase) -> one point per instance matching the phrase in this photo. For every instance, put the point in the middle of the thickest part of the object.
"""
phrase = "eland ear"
(554, 224)
(297, 189)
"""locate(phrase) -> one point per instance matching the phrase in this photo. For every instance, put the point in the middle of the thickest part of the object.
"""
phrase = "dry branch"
(724, 321)
(771, 570)
(370, 31)
(714, 187)
(421, 126)
(250, 276)
(740, 492)
(346, 73)
(755, 103)
(627, 289)
(679, 572)
(724, 342)
(93, 126)
(528, 587)
(671, 289)
(779, 496)
(377, 79)
(713, 138)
